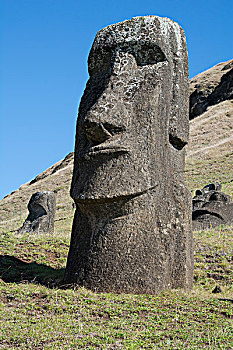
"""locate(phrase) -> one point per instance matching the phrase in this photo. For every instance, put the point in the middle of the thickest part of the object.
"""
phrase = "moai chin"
(132, 227)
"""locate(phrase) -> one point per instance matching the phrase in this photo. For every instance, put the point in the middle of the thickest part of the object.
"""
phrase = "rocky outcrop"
(210, 88)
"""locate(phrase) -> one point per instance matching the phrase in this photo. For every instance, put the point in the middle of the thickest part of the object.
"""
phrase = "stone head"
(132, 123)
(40, 204)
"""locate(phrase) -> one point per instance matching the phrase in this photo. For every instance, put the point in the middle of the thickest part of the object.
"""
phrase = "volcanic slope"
(209, 154)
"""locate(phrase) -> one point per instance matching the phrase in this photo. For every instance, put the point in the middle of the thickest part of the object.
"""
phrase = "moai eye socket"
(148, 54)
(100, 61)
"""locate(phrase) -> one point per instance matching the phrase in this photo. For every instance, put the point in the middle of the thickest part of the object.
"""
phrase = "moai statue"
(211, 207)
(42, 207)
(132, 227)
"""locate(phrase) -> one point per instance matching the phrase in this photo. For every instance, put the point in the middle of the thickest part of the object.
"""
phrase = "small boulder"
(216, 290)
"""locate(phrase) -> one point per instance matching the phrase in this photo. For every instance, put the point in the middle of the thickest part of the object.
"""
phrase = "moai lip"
(132, 227)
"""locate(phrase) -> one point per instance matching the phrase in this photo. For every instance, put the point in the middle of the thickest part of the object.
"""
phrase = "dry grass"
(211, 134)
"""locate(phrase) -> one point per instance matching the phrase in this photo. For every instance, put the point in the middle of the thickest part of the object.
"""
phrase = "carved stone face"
(132, 226)
(129, 133)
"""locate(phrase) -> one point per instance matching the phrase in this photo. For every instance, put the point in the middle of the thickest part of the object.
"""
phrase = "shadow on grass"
(15, 270)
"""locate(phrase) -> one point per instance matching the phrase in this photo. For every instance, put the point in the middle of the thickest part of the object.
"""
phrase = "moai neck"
(111, 243)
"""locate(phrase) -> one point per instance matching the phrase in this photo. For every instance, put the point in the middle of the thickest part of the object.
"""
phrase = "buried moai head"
(211, 207)
(133, 111)
(132, 225)
(42, 207)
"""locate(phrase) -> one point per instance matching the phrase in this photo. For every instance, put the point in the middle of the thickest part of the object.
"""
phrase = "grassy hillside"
(38, 312)
(13, 210)
(209, 155)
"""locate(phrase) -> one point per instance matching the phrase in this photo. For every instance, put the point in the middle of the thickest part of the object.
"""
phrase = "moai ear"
(179, 123)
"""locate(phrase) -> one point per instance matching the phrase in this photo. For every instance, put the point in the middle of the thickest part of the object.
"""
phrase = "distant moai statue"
(211, 207)
(132, 227)
(42, 208)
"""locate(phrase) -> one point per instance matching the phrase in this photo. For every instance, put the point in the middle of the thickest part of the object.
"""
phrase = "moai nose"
(95, 130)
(102, 120)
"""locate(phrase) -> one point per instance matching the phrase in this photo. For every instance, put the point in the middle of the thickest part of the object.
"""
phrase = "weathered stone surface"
(211, 87)
(211, 207)
(132, 226)
(42, 207)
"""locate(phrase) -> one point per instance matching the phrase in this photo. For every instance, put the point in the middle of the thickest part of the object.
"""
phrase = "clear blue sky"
(44, 47)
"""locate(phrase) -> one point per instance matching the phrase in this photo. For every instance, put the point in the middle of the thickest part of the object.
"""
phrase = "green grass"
(48, 249)
(40, 259)
(84, 320)
(213, 253)
(39, 318)
(37, 313)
